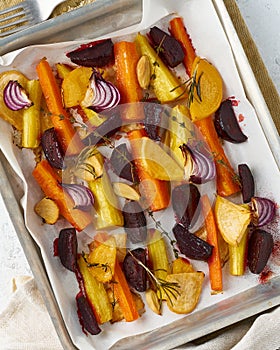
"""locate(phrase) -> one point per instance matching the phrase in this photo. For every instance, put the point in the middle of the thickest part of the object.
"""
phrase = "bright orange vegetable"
(226, 178)
(123, 295)
(68, 137)
(214, 262)
(126, 59)
(178, 30)
(49, 181)
(156, 192)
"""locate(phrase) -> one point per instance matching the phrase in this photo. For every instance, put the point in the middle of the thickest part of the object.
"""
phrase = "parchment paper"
(210, 41)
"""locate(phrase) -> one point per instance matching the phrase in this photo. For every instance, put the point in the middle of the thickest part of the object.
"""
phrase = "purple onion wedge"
(102, 95)
(81, 195)
(263, 211)
(200, 165)
(15, 96)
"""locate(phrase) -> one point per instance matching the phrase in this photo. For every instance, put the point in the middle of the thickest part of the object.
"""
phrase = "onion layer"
(81, 195)
(105, 94)
(199, 165)
(15, 97)
(263, 211)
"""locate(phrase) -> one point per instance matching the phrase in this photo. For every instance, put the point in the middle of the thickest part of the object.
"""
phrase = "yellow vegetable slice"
(189, 290)
(122, 189)
(208, 95)
(75, 85)
(158, 164)
(15, 118)
(103, 259)
(232, 220)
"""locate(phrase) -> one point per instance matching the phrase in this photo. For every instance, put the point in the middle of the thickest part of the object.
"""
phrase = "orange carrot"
(226, 179)
(68, 137)
(123, 295)
(49, 181)
(156, 192)
(214, 262)
(178, 30)
(126, 59)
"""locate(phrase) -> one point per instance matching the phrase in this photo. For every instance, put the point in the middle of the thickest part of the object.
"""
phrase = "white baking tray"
(225, 310)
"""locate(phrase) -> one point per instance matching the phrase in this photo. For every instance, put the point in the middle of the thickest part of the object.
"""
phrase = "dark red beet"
(86, 315)
(169, 48)
(185, 202)
(52, 148)
(96, 54)
(67, 246)
(153, 118)
(135, 223)
(260, 247)
(227, 125)
(135, 274)
(122, 163)
(190, 245)
(247, 182)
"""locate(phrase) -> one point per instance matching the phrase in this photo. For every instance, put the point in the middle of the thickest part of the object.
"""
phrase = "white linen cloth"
(26, 325)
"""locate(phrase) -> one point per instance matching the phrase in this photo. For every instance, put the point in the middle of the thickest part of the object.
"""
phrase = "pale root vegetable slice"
(48, 210)
(189, 290)
(156, 161)
(207, 93)
(122, 189)
(232, 219)
(15, 118)
(75, 85)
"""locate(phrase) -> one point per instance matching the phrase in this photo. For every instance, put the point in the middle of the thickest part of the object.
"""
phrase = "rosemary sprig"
(163, 231)
(164, 288)
(155, 64)
(192, 85)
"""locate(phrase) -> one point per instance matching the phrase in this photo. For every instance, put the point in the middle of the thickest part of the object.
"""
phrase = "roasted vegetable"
(263, 211)
(170, 49)
(122, 163)
(135, 274)
(178, 30)
(135, 223)
(95, 291)
(165, 84)
(190, 245)
(86, 315)
(67, 246)
(185, 203)
(259, 250)
(227, 125)
(95, 54)
(247, 182)
(52, 148)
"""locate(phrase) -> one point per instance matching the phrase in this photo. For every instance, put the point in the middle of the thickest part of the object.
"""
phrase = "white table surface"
(262, 18)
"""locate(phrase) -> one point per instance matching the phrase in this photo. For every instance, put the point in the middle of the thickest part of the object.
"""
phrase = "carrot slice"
(156, 192)
(123, 295)
(68, 137)
(178, 30)
(49, 181)
(227, 183)
(214, 262)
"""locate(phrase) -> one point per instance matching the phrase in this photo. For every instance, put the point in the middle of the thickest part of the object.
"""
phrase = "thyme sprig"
(164, 232)
(163, 287)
